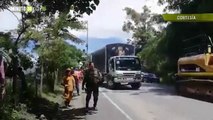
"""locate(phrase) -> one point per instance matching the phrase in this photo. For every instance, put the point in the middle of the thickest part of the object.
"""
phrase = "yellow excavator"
(195, 69)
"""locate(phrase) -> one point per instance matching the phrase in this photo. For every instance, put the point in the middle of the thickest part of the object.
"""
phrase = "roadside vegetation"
(42, 47)
(159, 47)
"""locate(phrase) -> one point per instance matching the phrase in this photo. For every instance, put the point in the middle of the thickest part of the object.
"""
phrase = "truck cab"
(123, 70)
(118, 64)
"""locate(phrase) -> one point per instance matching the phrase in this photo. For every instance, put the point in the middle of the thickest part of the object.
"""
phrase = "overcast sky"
(106, 22)
(109, 17)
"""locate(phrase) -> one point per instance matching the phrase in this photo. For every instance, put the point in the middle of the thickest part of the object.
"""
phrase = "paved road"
(151, 102)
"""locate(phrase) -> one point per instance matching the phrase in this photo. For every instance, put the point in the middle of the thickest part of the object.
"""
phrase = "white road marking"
(104, 90)
(124, 113)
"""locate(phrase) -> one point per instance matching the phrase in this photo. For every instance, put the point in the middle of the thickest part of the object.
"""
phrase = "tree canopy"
(161, 51)
(141, 25)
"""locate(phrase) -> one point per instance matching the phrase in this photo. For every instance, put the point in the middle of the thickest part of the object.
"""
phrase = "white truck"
(118, 65)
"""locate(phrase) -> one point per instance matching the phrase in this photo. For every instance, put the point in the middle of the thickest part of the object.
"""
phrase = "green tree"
(67, 56)
(51, 40)
(7, 43)
(72, 8)
(152, 43)
(162, 55)
(141, 25)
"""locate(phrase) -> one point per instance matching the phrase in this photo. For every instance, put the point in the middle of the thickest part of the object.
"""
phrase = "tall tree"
(72, 8)
(170, 47)
(51, 40)
(140, 25)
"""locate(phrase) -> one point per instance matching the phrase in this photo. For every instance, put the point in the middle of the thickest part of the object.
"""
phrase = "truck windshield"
(127, 63)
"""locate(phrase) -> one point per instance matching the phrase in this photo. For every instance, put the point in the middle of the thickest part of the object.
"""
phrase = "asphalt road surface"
(150, 102)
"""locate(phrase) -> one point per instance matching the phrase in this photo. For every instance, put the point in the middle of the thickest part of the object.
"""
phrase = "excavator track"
(201, 89)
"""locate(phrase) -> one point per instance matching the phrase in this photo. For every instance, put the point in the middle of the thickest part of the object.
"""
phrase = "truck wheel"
(110, 84)
(136, 85)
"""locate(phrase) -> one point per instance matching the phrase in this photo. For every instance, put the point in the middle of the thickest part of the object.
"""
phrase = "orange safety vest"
(69, 82)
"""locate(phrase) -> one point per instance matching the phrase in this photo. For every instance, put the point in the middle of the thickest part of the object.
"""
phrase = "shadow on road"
(125, 87)
(41, 106)
(152, 88)
(151, 84)
(157, 89)
(51, 110)
(91, 112)
(121, 87)
(72, 114)
(162, 91)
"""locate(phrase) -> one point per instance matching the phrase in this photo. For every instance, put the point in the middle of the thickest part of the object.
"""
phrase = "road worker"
(69, 85)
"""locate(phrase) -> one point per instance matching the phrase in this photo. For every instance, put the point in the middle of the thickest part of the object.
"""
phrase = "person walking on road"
(69, 84)
(92, 78)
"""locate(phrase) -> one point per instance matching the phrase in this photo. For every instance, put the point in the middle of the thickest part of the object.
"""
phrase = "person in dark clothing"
(92, 79)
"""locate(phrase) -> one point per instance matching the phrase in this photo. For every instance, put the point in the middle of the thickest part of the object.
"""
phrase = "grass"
(33, 107)
(54, 97)
(47, 105)
(42, 106)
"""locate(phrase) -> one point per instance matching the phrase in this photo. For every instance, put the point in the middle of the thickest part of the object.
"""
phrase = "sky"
(104, 25)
